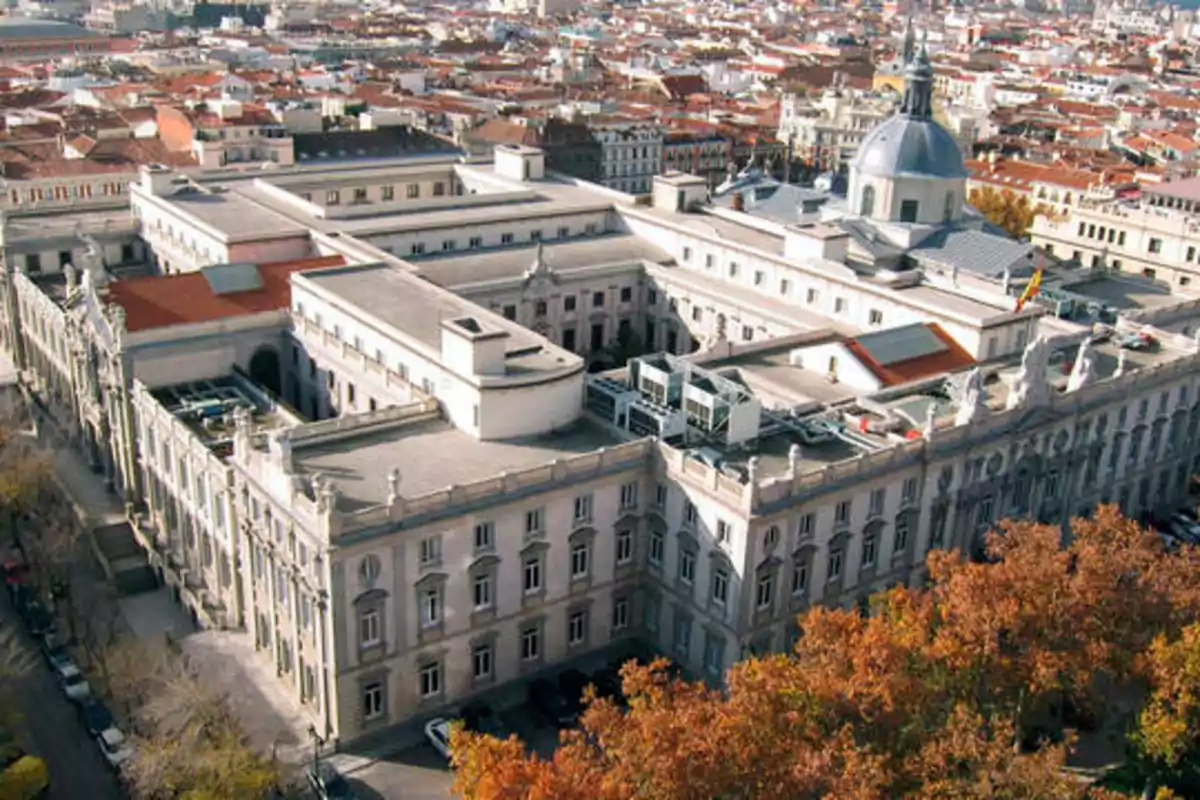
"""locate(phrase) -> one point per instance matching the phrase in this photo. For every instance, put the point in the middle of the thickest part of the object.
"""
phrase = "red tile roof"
(160, 301)
(948, 360)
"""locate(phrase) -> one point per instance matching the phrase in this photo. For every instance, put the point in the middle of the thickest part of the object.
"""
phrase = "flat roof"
(771, 376)
(720, 228)
(465, 267)
(432, 456)
(953, 303)
(417, 308)
(236, 216)
(1125, 294)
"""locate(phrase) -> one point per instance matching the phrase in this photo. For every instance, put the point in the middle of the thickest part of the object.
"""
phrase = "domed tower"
(910, 169)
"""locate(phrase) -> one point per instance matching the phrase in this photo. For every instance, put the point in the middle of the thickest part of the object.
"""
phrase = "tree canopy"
(1007, 209)
(959, 689)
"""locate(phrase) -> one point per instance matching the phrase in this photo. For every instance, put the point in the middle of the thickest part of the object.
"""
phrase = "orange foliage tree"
(1006, 209)
(924, 697)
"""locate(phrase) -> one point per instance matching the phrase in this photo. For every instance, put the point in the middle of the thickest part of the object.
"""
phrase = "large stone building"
(349, 407)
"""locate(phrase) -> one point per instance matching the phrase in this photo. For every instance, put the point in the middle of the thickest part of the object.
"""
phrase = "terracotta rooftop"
(160, 301)
(950, 359)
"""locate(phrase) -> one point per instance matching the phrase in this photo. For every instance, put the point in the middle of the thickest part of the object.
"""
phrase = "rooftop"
(159, 301)
(417, 309)
(234, 216)
(432, 456)
(208, 408)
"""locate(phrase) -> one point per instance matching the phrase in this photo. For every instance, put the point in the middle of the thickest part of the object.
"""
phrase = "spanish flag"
(1031, 289)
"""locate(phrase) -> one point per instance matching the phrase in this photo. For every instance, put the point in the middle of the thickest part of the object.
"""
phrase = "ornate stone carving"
(1031, 386)
(1084, 371)
(972, 400)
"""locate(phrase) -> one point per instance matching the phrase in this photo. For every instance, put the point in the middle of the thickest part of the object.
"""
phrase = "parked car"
(1100, 333)
(74, 685)
(54, 651)
(550, 703)
(479, 717)
(1137, 341)
(437, 731)
(327, 783)
(96, 717)
(114, 746)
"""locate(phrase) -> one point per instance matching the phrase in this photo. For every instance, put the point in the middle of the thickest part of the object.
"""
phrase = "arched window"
(867, 207)
(948, 211)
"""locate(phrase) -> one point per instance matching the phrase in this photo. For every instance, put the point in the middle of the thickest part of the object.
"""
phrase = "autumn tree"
(1006, 209)
(1167, 737)
(927, 696)
(189, 742)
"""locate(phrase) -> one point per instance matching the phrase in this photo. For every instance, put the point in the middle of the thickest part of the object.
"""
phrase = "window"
(804, 527)
(687, 254)
(651, 298)
(481, 661)
(835, 565)
(811, 296)
(485, 533)
(563, 232)
(577, 627)
(689, 512)
(569, 303)
(656, 548)
(629, 495)
(759, 277)
(722, 531)
(1155, 245)
(373, 700)
(710, 261)
(431, 550)
(868, 552)
(624, 547)
(431, 607)
(481, 591)
(764, 591)
(875, 317)
(539, 308)
(583, 508)
(909, 210)
(413, 190)
(900, 543)
(733, 269)
(799, 577)
(784, 287)
(720, 586)
(626, 294)
(431, 679)
(418, 248)
(714, 653)
(531, 643)
(360, 195)
(683, 634)
(841, 514)
(687, 566)
(506, 238)
(475, 242)
(867, 206)
(333, 197)
(449, 244)
(535, 235)
(747, 333)
(369, 633)
(909, 492)
(620, 614)
(948, 209)
(439, 189)
(580, 558)
(597, 299)
(591, 228)
(660, 495)
(877, 498)
(387, 193)
(839, 305)
(532, 581)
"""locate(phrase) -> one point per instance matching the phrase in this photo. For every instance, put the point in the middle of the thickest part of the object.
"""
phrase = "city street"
(54, 730)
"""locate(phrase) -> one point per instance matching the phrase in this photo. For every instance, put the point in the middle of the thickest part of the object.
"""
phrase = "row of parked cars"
(1181, 527)
(558, 701)
(40, 623)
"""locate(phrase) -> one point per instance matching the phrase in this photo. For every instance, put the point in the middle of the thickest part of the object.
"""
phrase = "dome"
(910, 146)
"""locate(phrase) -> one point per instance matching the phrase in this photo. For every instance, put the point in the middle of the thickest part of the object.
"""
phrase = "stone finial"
(931, 414)
(1084, 372)
(794, 457)
(315, 483)
(1122, 359)
(1006, 281)
(118, 319)
(282, 445)
(752, 469)
(393, 485)
(71, 275)
(972, 400)
(1031, 386)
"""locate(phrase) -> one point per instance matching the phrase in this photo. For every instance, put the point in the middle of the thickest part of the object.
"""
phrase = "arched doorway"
(264, 369)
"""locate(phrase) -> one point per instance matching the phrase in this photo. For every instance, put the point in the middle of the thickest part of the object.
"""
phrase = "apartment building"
(827, 132)
(352, 414)
(1156, 235)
